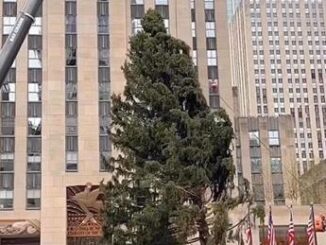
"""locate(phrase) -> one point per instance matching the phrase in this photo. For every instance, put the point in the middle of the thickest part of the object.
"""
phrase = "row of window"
(71, 87)
(275, 165)
(104, 87)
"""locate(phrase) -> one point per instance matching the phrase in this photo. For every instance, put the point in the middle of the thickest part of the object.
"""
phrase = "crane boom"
(17, 36)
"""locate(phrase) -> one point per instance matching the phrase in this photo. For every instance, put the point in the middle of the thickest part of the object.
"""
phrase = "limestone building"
(56, 101)
(278, 51)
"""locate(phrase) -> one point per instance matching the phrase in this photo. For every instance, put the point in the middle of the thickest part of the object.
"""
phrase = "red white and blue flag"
(248, 235)
(311, 229)
(271, 232)
(291, 234)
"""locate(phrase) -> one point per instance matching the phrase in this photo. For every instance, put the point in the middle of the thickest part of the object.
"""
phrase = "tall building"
(55, 103)
(278, 51)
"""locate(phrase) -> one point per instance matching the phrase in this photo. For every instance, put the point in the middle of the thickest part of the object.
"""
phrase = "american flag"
(311, 229)
(248, 235)
(291, 235)
(271, 231)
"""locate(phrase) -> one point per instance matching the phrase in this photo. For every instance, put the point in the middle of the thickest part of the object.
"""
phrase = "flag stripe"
(310, 229)
(271, 231)
(291, 234)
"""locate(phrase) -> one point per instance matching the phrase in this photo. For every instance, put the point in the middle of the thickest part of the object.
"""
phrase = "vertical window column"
(34, 138)
(137, 12)
(211, 54)
(193, 32)
(8, 107)
(104, 79)
(162, 6)
(71, 82)
(276, 166)
(34, 113)
(257, 177)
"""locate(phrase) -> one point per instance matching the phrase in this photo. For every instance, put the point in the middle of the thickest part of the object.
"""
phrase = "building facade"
(55, 103)
(278, 51)
(266, 144)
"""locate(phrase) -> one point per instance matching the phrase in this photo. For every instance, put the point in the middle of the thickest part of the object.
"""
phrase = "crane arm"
(17, 36)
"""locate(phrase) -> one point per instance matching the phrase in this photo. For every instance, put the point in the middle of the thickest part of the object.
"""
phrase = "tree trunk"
(203, 227)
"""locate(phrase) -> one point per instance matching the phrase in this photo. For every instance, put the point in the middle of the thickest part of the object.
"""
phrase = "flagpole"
(313, 222)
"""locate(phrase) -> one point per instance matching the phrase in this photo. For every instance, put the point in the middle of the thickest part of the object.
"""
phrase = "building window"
(137, 9)
(104, 83)
(71, 84)
(278, 192)
(211, 43)
(211, 57)
(256, 166)
(276, 165)
(6, 173)
(210, 29)
(34, 85)
(273, 138)
(71, 16)
(254, 138)
(10, 9)
(8, 92)
(8, 24)
(103, 48)
(137, 13)
(71, 153)
(103, 17)
(71, 78)
(162, 6)
(209, 4)
(33, 186)
(71, 50)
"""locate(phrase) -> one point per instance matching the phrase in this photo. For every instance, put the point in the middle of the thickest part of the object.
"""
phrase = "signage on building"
(84, 204)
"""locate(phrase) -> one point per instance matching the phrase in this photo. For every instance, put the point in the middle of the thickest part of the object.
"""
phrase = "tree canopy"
(171, 179)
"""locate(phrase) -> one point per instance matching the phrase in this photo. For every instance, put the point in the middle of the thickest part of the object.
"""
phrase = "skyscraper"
(55, 105)
(278, 64)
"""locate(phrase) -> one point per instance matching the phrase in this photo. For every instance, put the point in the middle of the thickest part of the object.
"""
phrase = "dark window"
(11, 76)
(35, 75)
(214, 101)
(7, 145)
(104, 143)
(71, 109)
(34, 145)
(104, 83)
(35, 42)
(194, 43)
(212, 72)
(103, 47)
(71, 20)
(71, 50)
(7, 110)
(104, 109)
(193, 15)
(34, 109)
(72, 143)
(211, 43)
(33, 181)
(137, 11)
(163, 10)
(10, 9)
(71, 83)
(209, 15)
(102, 9)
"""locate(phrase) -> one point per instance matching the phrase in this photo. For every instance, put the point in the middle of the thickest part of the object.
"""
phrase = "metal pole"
(313, 222)
(17, 36)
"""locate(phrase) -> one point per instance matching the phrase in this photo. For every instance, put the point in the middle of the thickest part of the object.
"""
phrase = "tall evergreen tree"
(174, 152)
